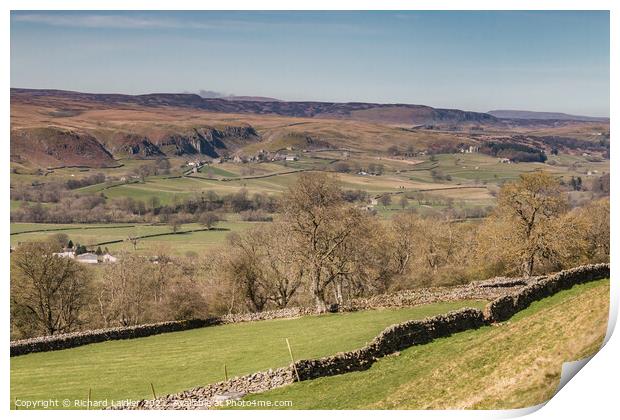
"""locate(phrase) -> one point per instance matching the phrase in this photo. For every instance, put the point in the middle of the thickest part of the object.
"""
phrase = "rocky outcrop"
(209, 141)
(135, 145)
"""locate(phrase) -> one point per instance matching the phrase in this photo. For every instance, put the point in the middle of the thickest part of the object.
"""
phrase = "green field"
(93, 234)
(467, 167)
(457, 170)
(469, 180)
(511, 365)
(181, 360)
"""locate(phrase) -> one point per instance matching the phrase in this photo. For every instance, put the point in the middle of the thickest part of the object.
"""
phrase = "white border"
(592, 393)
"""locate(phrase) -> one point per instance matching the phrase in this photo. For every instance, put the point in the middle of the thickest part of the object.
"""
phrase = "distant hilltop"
(533, 115)
(404, 114)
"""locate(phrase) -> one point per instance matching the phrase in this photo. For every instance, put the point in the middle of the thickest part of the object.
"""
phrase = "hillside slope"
(55, 146)
(170, 125)
(510, 365)
(137, 131)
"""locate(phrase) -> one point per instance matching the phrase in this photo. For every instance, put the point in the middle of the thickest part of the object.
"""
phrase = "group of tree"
(321, 251)
(158, 167)
(354, 167)
(325, 251)
(408, 151)
(516, 152)
(54, 295)
(95, 208)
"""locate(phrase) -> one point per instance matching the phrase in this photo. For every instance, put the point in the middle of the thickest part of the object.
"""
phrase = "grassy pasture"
(462, 169)
(511, 365)
(17, 228)
(125, 166)
(468, 167)
(181, 360)
(179, 243)
(217, 170)
(479, 173)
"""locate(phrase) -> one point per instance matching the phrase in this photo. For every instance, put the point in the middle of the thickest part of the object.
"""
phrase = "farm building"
(87, 258)
(107, 258)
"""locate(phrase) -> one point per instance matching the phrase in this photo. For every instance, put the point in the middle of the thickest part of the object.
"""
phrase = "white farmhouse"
(87, 258)
(107, 258)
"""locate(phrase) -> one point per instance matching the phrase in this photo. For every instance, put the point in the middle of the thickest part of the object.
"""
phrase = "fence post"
(290, 352)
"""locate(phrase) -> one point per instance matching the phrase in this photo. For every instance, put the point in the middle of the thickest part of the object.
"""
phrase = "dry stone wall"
(482, 290)
(389, 341)
(506, 306)
(81, 338)
(393, 339)
(501, 290)
(65, 341)
(211, 395)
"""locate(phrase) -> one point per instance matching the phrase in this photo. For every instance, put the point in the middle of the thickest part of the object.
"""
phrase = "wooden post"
(225, 372)
(153, 391)
(290, 352)
(89, 395)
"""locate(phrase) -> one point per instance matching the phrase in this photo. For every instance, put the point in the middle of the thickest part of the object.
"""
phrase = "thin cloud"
(130, 21)
(105, 21)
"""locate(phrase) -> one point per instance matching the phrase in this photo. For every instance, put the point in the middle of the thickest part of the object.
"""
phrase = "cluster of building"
(87, 257)
(260, 156)
(265, 156)
(469, 149)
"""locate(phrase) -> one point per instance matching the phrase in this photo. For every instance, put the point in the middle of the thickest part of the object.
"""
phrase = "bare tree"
(175, 223)
(521, 230)
(321, 224)
(52, 289)
(244, 267)
(208, 219)
(60, 240)
(272, 273)
(125, 290)
(385, 200)
(133, 240)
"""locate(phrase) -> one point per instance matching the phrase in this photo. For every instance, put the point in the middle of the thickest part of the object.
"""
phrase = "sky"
(556, 61)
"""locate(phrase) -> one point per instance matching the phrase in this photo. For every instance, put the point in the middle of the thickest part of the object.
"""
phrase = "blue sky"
(534, 60)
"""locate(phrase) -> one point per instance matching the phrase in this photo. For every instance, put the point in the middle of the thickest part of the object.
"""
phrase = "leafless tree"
(54, 290)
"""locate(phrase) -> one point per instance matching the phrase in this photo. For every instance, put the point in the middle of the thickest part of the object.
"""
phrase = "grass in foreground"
(511, 365)
(177, 361)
